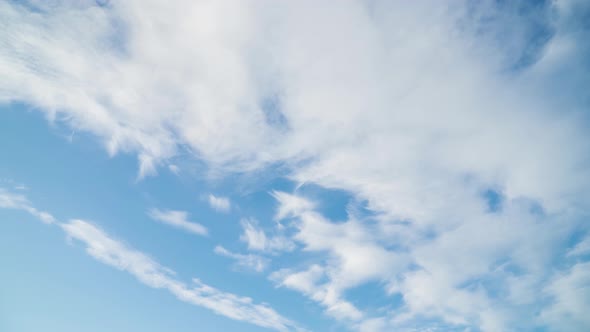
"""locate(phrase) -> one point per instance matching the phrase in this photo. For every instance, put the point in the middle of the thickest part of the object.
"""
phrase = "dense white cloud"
(415, 108)
(342, 100)
(221, 204)
(178, 219)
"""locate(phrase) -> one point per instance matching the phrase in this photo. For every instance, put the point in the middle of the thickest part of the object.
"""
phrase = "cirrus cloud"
(415, 109)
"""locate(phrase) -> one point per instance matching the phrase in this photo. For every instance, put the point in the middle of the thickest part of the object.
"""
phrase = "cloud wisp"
(10, 200)
(248, 261)
(219, 203)
(257, 240)
(110, 251)
(177, 219)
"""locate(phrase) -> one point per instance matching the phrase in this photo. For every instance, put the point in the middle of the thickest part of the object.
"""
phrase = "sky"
(262, 165)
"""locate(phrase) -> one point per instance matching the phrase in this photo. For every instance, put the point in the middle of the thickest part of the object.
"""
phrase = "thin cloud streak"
(10, 200)
(109, 251)
(177, 219)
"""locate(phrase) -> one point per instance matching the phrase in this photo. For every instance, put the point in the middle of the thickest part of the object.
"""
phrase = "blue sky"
(297, 166)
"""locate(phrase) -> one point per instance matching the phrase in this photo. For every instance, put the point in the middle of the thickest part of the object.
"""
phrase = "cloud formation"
(10, 200)
(257, 240)
(178, 219)
(485, 271)
(221, 204)
(108, 250)
(421, 111)
(247, 261)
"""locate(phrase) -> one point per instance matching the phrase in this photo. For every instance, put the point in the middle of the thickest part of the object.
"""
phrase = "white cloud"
(178, 219)
(114, 253)
(312, 282)
(9, 200)
(412, 108)
(221, 204)
(256, 238)
(247, 261)
(446, 276)
(304, 281)
(355, 257)
(290, 205)
(326, 86)
(12, 201)
(571, 299)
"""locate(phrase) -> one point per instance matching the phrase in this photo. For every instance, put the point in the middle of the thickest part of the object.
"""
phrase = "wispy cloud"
(108, 250)
(413, 108)
(112, 252)
(10, 200)
(249, 261)
(174, 169)
(571, 297)
(311, 282)
(290, 205)
(581, 248)
(257, 240)
(356, 257)
(178, 219)
(426, 272)
(218, 203)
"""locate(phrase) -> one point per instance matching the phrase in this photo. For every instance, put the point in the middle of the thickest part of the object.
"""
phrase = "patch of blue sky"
(372, 298)
(271, 107)
(517, 30)
(494, 199)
